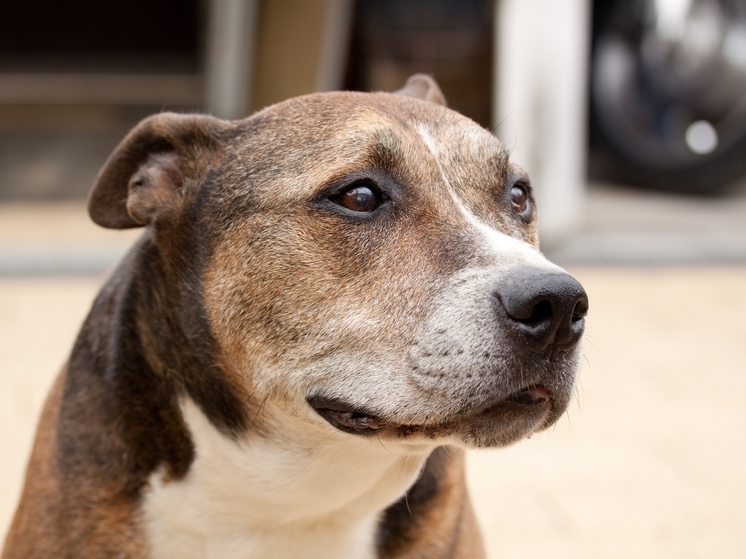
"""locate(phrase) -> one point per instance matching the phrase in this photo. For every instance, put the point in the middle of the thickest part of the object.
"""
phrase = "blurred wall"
(292, 44)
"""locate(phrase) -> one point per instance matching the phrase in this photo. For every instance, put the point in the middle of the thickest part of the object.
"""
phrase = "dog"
(331, 299)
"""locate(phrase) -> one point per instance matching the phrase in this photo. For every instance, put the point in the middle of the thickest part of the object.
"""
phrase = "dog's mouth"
(532, 401)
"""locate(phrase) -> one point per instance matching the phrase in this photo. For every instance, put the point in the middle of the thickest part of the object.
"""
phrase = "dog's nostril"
(540, 312)
(581, 309)
(528, 310)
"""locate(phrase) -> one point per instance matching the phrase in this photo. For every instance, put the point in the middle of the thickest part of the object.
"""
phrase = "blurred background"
(630, 117)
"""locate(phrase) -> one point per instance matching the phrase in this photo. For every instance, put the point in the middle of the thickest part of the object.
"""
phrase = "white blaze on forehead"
(510, 250)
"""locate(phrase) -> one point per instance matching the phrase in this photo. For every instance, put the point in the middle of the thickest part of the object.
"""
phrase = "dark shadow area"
(448, 39)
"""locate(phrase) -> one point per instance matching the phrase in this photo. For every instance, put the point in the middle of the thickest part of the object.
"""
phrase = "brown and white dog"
(330, 299)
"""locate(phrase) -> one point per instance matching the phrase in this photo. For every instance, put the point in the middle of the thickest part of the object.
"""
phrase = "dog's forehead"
(308, 141)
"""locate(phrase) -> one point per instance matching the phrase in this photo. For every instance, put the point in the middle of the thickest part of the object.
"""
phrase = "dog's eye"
(361, 198)
(519, 198)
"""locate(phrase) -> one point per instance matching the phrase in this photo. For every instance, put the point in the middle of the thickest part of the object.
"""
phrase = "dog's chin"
(501, 423)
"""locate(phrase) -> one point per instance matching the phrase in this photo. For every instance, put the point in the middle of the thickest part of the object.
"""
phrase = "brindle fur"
(218, 282)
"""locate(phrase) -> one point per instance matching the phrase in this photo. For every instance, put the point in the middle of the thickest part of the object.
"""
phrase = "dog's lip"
(349, 419)
(345, 417)
(531, 395)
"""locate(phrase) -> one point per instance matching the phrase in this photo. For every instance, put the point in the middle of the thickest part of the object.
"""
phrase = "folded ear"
(149, 167)
(424, 87)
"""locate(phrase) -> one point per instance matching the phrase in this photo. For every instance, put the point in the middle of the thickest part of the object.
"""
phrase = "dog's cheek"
(299, 295)
(269, 306)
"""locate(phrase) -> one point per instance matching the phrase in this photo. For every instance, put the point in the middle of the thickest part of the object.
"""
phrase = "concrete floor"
(648, 462)
(621, 225)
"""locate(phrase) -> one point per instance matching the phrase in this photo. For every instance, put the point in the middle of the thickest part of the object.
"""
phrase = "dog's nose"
(545, 308)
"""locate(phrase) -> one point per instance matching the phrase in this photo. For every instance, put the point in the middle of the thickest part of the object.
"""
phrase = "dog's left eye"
(362, 198)
(519, 198)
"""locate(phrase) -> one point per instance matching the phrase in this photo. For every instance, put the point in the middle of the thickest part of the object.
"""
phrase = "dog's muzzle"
(494, 363)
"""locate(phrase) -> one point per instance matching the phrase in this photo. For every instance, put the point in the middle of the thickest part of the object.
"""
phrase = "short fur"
(203, 410)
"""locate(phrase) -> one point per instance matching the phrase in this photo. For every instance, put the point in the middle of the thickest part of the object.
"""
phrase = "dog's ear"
(424, 87)
(149, 166)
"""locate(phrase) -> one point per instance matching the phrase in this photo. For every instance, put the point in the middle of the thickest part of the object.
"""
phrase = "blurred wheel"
(669, 92)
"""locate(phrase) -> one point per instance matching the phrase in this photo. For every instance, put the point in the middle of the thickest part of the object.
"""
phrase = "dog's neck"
(296, 495)
(302, 492)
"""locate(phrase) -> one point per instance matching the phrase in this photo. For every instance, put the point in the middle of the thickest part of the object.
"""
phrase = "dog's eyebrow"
(384, 150)
(500, 161)
(384, 156)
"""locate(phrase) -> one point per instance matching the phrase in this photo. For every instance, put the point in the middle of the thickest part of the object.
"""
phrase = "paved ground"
(649, 461)
(56, 238)
(621, 225)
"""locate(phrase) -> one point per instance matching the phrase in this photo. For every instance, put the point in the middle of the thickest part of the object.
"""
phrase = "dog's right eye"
(362, 198)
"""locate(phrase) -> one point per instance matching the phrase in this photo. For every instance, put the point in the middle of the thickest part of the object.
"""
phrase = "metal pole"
(231, 37)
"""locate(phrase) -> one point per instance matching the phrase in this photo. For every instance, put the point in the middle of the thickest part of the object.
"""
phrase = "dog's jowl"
(329, 301)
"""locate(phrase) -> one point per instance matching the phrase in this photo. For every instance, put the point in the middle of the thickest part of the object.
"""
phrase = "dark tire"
(655, 114)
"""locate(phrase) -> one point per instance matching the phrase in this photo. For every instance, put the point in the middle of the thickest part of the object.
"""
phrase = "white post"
(231, 37)
(336, 36)
(541, 64)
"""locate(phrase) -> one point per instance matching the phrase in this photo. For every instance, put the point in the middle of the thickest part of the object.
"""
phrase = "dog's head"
(367, 263)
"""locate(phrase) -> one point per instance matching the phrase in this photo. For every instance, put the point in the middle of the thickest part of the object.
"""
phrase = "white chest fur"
(304, 494)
